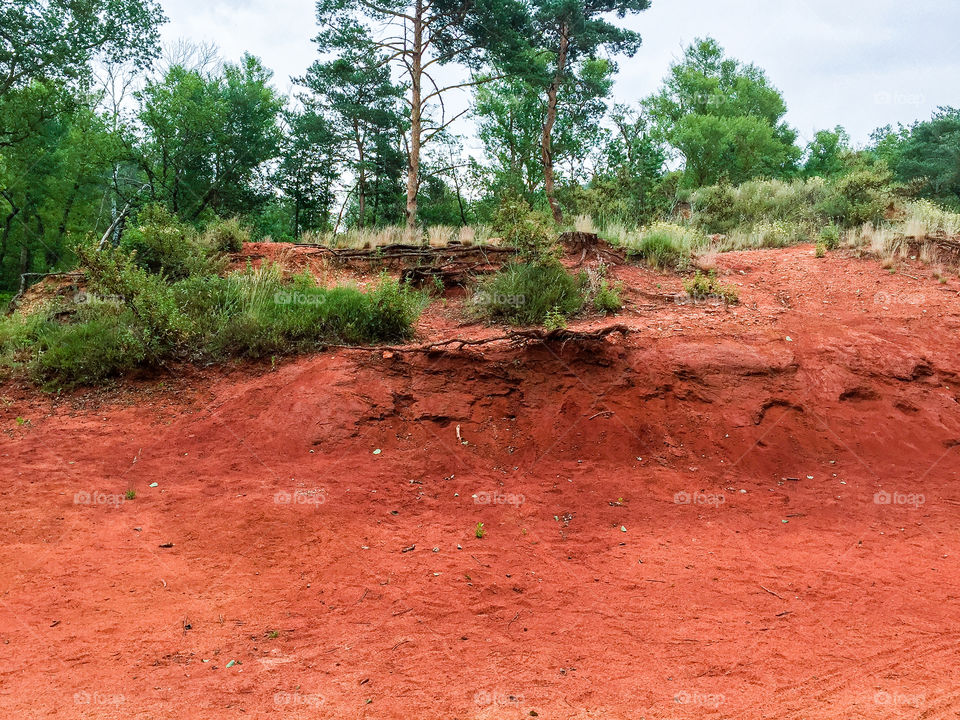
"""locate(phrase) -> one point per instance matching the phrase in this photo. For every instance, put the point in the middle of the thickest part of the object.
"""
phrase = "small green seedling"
(273, 634)
(479, 531)
(130, 494)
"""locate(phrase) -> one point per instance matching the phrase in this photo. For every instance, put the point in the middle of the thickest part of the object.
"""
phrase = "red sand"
(785, 591)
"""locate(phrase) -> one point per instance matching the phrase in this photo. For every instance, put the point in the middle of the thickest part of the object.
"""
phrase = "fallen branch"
(517, 337)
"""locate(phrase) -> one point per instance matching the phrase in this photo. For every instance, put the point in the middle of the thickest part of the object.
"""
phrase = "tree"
(363, 107)
(926, 155)
(724, 118)
(569, 32)
(206, 139)
(308, 170)
(512, 115)
(415, 38)
(826, 153)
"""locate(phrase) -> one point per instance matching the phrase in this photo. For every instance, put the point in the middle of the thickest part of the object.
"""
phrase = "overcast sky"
(857, 63)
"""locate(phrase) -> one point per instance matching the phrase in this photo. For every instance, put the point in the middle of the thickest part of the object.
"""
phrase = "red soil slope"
(315, 521)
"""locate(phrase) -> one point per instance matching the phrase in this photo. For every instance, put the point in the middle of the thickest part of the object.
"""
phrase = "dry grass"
(367, 238)
(584, 223)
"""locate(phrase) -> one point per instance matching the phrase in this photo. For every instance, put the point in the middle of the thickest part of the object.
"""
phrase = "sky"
(857, 63)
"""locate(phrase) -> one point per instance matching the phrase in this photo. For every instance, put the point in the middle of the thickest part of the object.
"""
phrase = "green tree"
(416, 38)
(826, 154)
(724, 118)
(362, 105)
(926, 155)
(206, 139)
(568, 33)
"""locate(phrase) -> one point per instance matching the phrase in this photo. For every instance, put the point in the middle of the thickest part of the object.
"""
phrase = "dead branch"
(517, 337)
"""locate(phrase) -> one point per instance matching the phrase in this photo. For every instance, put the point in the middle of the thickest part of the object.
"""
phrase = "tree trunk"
(362, 182)
(546, 153)
(416, 101)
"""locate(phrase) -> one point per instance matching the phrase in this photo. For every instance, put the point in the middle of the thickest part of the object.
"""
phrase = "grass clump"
(525, 293)
(665, 245)
(706, 286)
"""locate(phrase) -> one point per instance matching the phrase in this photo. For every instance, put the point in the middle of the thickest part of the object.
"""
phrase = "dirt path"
(745, 512)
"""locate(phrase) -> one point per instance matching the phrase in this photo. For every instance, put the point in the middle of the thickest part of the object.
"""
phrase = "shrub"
(665, 245)
(528, 231)
(523, 293)
(165, 245)
(721, 208)
(607, 298)
(821, 250)
(830, 237)
(226, 236)
(113, 272)
(701, 287)
(87, 352)
(858, 197)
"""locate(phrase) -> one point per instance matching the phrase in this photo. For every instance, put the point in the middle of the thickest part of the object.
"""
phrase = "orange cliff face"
(745, 511)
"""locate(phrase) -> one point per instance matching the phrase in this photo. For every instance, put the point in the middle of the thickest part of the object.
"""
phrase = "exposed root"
(517, 337)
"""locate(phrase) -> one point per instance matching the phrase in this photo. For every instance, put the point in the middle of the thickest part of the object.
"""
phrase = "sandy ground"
(746, 512)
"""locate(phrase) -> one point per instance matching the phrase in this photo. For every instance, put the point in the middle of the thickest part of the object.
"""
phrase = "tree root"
(517, 337)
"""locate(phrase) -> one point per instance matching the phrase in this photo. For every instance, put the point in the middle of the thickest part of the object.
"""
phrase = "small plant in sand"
(130, 494)
(479, 531)
(702, 287)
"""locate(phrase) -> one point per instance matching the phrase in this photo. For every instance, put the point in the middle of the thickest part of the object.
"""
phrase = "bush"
(665, 245)
(269, 317)
(226, 236)
(607, 298)
(164, 245)
(721, 208)
(859, 197)
(525, 293)
(830, 237)
(528, 231)
(87, 352)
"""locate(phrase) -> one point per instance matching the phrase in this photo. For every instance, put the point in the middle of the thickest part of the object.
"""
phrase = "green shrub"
(524, 293)
(702, 287)
(226, 236)
(87, 352)
(723, 209)
(165, 245)
(665, 245)
(830, 237)
(606, 299)
(821, 250)
(859, 197)
(522, 228)
(114, 272)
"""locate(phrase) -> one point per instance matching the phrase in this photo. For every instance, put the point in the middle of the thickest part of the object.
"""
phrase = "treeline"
(96, 122)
